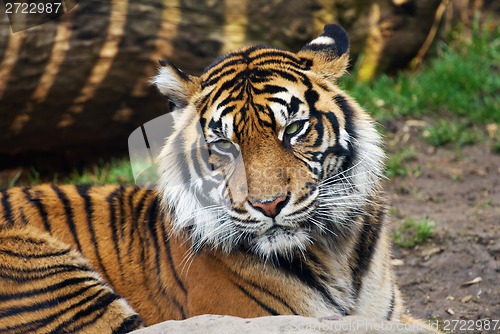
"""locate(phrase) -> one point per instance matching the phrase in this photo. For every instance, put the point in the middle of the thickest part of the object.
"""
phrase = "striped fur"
(260, 126)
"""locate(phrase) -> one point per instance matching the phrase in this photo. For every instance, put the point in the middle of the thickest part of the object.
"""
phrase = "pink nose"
(270, 208)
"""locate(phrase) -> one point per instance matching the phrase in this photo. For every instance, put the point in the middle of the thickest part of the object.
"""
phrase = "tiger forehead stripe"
(253, 56)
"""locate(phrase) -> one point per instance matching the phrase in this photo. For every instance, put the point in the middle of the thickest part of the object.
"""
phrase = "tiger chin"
(268, 203)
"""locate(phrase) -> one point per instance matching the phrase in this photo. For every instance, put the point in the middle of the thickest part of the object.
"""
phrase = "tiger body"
(133, 254)
(281, 214)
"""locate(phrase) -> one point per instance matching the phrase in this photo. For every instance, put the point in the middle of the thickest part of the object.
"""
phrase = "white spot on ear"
(325, 40)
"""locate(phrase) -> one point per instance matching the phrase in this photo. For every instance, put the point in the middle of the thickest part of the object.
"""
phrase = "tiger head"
(268, 154)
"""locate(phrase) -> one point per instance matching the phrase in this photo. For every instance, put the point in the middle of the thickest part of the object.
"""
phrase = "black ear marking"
(334, 40)
(339, 35)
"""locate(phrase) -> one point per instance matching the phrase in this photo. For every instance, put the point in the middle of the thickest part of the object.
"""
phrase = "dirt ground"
(456, 274)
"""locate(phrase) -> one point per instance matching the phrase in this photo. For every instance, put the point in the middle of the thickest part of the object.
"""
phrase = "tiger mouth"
(276, 229)
(273, 229)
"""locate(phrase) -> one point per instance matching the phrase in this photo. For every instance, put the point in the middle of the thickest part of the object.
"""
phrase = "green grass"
(114, 171)
(463, 84)
(496, 147)
(413, 232)
(464, 81)
(110, 172)
(396, 164)
(445, 132)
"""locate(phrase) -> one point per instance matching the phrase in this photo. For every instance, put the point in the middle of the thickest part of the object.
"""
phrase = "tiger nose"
(270, 207)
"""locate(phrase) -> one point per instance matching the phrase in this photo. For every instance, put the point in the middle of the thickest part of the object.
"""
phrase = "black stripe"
(365, 248)
(135, 221)
(23, 239)
(350, 129)
(270, 293)
(152, 225)
(70, 217)
(148, 228)
(99, 306)
(43, 269)
(278, 61)
(83, 191)
(166, 243)
(195, 158)
(294, 106)
(277, 100)
(274, 89)
(50, 288)
(128, 325)
(40, 207)
(332, 118)
(267, 308)
(224, 71)
(390, 308)
(34, 256)
(348, 114)
(311, 97)
(7, 208)
(26, 278)
(138, 210)
(133, 215)
(179, 307)
(122, 197)
(17, 330)
(38, 273)
(224, 87)
(258, 287)
(168, 251)
(110, 199)
(50, 303)
(312, 187)
(270, 73)
(45, 321)
(157, 217)
(299, 269)
(263, 52)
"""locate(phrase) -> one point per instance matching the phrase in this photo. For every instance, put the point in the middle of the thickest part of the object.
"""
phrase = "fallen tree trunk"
(80, 82)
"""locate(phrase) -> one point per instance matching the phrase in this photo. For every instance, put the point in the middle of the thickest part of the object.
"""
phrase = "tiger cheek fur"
(268, 202)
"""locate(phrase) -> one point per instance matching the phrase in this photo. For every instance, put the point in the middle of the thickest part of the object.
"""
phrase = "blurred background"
(73, 88)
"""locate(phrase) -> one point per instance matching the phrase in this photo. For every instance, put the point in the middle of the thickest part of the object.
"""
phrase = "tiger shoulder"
(268, 202)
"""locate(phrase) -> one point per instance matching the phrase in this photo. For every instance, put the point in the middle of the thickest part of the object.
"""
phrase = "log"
(212, 324)
(80, 83)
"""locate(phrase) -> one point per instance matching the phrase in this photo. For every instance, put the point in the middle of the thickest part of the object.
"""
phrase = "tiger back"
(268, 202)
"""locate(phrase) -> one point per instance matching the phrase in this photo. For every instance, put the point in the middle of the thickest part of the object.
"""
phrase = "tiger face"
(268, 154)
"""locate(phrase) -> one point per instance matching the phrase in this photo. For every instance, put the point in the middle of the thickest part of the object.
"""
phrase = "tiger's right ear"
(176, 85)
(328, 53)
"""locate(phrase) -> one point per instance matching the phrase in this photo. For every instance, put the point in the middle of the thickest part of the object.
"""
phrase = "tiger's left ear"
(329, 52)
(176, 85)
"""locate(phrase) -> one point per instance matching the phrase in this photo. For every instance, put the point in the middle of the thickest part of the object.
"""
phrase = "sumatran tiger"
(268, 203)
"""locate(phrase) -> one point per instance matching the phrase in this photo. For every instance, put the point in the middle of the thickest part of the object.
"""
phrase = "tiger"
(268, 202)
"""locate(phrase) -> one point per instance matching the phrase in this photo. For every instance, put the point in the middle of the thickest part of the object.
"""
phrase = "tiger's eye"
(293, 128)
(223, 145)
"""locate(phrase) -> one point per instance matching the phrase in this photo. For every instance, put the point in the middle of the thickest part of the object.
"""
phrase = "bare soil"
(456, 274)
